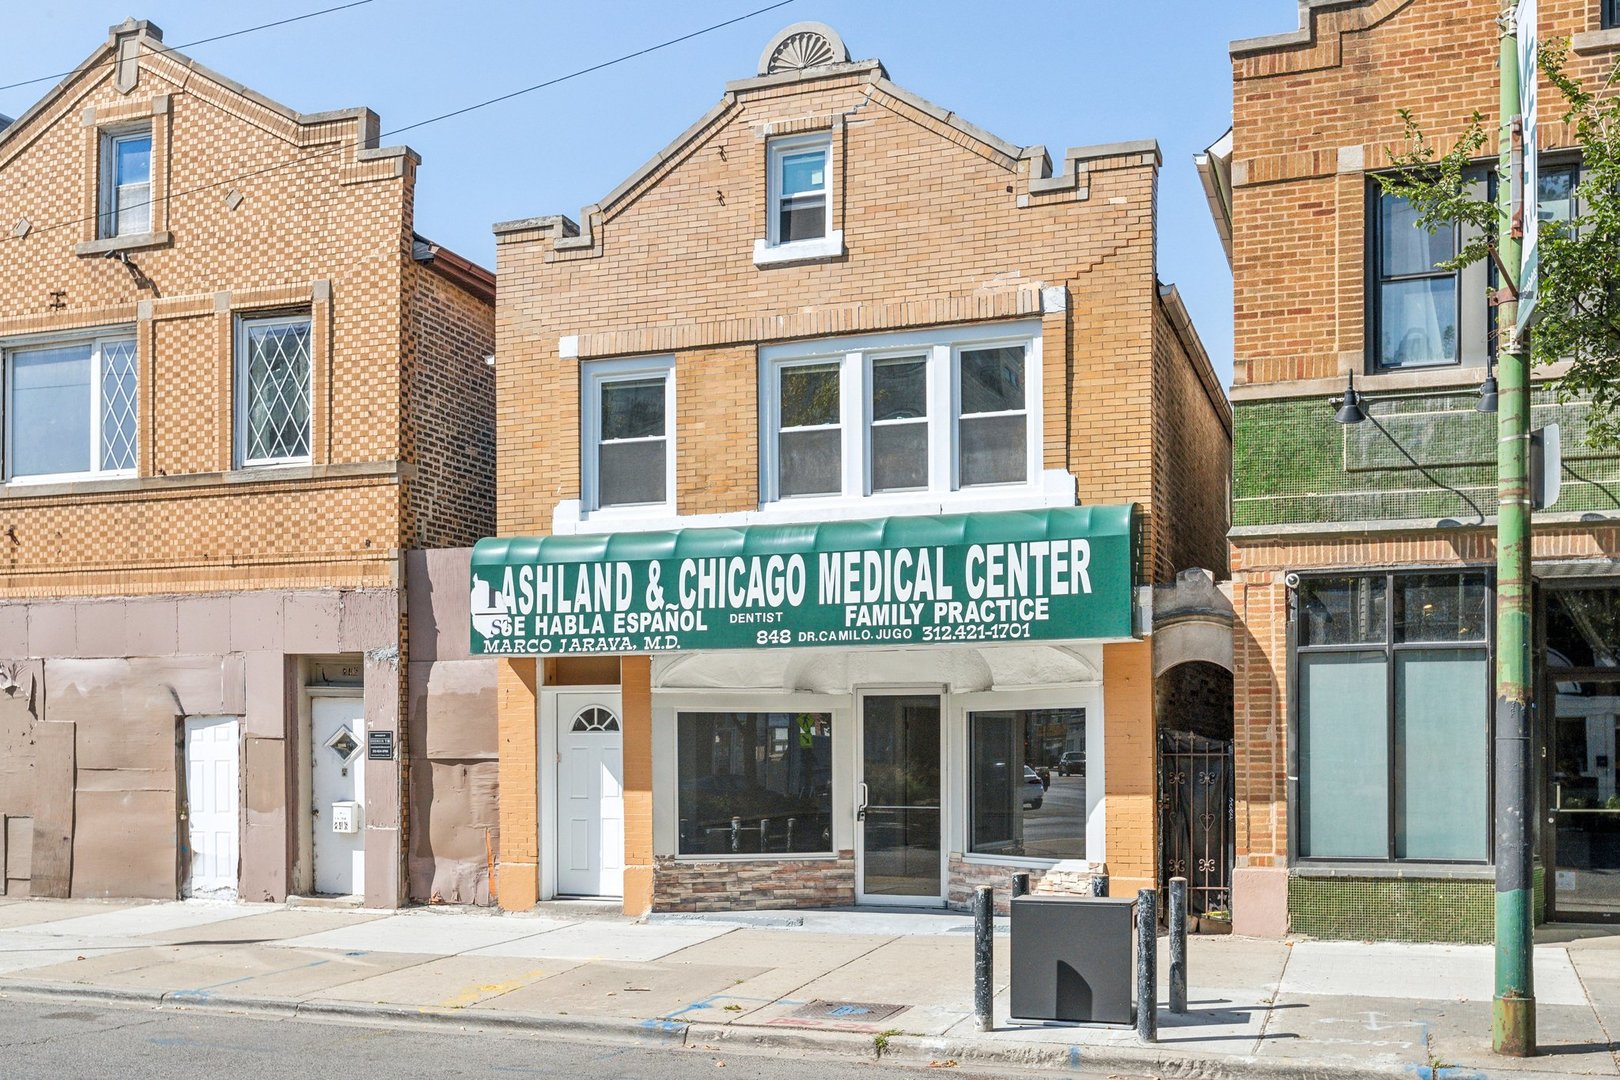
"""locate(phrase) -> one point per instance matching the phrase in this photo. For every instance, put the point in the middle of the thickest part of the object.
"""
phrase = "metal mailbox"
(1072, 959)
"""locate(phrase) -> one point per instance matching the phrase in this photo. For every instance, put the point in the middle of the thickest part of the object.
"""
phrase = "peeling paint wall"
(454, 819)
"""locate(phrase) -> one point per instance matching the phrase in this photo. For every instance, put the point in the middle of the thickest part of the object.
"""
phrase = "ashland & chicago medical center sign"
(987, 577)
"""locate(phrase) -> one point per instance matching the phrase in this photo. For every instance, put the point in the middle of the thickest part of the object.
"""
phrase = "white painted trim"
(239, 367)
(830, 246)
(594, 374)
(547, 719)
(775, 151)
(98, 343)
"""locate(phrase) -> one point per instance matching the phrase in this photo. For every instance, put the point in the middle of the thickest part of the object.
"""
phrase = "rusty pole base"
(1513, 1026)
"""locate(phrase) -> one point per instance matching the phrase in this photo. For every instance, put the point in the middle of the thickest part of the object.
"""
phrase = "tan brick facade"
(939, 226)
(255, 210)
(1315, 114)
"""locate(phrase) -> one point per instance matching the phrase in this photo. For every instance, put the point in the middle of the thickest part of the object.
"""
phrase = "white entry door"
(213, 774)
(338, 783)
(590, 795)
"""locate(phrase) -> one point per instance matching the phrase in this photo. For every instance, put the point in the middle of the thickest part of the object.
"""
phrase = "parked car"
(1034, 790)
(1072, 763)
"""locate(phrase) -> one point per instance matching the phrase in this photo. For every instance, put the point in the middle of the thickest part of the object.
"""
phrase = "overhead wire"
(486, 103)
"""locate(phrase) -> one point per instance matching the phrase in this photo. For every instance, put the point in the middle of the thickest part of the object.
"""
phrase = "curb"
(898, 1049)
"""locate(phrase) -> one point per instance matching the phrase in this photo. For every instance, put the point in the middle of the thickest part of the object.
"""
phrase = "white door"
(338, 765)
(213, 773)
(590, 795)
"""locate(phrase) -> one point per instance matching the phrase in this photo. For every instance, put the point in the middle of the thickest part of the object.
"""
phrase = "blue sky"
(1059, 72)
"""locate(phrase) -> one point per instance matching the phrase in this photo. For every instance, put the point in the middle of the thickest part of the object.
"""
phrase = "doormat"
(847, 1011)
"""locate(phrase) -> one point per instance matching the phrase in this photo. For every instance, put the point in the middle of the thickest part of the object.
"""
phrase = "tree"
(1578, 297)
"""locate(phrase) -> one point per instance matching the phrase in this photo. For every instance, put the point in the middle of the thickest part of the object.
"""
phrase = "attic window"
(126, 183)
(799, 201)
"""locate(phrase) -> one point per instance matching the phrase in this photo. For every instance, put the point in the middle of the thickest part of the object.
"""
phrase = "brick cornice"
(1318, 43)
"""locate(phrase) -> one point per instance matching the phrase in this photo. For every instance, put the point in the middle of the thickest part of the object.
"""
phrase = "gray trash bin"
(1072, 959)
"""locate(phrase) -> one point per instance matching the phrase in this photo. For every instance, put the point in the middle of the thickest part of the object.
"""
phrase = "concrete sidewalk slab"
(22, 913)
(133, 922)
(772, 948)
(1422, 972)
(277, 924)
(435, 934)
(632, 991)
(600, 939)
(451, 982)
(23, 950)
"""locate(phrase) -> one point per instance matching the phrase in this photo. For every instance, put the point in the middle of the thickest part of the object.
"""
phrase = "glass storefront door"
(1581, 709)
(900, 820)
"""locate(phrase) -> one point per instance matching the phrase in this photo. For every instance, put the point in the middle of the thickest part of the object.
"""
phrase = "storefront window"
(755, 783)
(1028, 777)
(1392, 717)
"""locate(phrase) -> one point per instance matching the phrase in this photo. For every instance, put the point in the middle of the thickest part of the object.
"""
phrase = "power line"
(430, 120)
(200, 41)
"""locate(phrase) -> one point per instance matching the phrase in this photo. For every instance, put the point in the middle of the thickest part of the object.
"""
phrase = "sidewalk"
(845, 982)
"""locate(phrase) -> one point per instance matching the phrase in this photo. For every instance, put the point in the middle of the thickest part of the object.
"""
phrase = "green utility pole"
(1513, 1028)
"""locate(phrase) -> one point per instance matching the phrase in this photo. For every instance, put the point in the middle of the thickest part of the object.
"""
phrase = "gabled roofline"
(150, 35)
(455, 268)
(1305, 35)
(1181, 322)
(1215, 171)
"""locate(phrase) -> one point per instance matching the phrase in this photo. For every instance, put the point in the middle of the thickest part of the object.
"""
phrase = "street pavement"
(841, 983)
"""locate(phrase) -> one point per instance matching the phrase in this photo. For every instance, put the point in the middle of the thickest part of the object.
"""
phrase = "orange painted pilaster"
(518, 873)
(1131, 756)
(635, 684)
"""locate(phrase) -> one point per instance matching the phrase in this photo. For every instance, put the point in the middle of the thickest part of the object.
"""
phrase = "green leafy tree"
(1578, 301)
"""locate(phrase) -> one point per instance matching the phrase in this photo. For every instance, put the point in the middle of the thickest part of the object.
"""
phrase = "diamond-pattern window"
(275, 364)
(70, 409)
(118, 405)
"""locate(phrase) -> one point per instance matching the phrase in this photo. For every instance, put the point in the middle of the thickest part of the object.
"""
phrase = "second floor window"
(1609, 15)
(629, 417)
(930, 413)
(274, 379)
(1415, 306)
(800, 203)
(70, 409)
(126, 183)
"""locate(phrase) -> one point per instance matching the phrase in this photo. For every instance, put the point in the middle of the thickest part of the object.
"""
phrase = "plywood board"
(54, 771)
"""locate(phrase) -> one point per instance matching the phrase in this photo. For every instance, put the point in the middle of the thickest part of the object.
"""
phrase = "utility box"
(345, 817)
(1072, 959)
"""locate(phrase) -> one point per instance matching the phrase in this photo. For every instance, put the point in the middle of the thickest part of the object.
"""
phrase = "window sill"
(830, 246)
(741, 857)
(974, 859)
(1595, 40)
(111, 244)
(41, 489)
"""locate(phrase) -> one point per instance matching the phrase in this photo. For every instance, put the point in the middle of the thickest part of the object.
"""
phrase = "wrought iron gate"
(1195, 818)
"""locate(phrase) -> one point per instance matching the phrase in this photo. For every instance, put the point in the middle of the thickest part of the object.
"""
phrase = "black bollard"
(1147, 966)
(1020, 885)
(983, 936)
(1178, 944)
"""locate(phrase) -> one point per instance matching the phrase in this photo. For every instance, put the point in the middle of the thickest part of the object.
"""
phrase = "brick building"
(1362, 553)
(837, 447)
(238, 388)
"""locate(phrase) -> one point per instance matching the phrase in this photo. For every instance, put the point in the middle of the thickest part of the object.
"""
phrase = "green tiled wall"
(1397, 909)
(1293, 464)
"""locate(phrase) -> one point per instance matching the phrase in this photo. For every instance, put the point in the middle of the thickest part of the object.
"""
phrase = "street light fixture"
(1350, 412)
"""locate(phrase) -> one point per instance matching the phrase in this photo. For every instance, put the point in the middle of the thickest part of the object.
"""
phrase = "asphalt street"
(67, 1038)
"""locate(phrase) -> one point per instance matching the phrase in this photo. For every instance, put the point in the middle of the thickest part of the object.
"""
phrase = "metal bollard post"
(1147, 966)
(1178, 944)
(1020, 885)
(1099, 884)
(983, 936)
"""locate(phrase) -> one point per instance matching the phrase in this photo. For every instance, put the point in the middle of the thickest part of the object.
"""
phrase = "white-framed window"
(70, 409)
(628, 457)
(889, 417)
(800, 181)
(125, 202)
(274, 389)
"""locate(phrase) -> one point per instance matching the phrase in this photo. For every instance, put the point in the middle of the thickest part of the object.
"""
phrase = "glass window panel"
(899, 388)
(810, 462)
(1586, 797)
(633, 409)
(1439, 607)
(1343, 755)
(1555, 193)
(118, 405)
(134, 160)
(50, 411)
(134, 209)
(1417, 322)
(631, 473)
(1341, 611)
(804, 172)
(992, 380)
(1013, 812)
(993, 450)
(809, 395)
(1610, 15)
(1407, 248)
(803, 218)
(1441, 743)
(900, 457)
(754, 783)
(1583, 627)
(278, 381)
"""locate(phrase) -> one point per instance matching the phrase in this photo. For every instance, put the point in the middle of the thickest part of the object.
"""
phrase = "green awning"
(1006, 576)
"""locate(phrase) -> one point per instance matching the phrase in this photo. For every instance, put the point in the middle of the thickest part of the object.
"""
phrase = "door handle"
(860, 809)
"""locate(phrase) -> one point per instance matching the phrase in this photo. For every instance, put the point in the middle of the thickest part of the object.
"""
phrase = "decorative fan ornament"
(806, 49)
